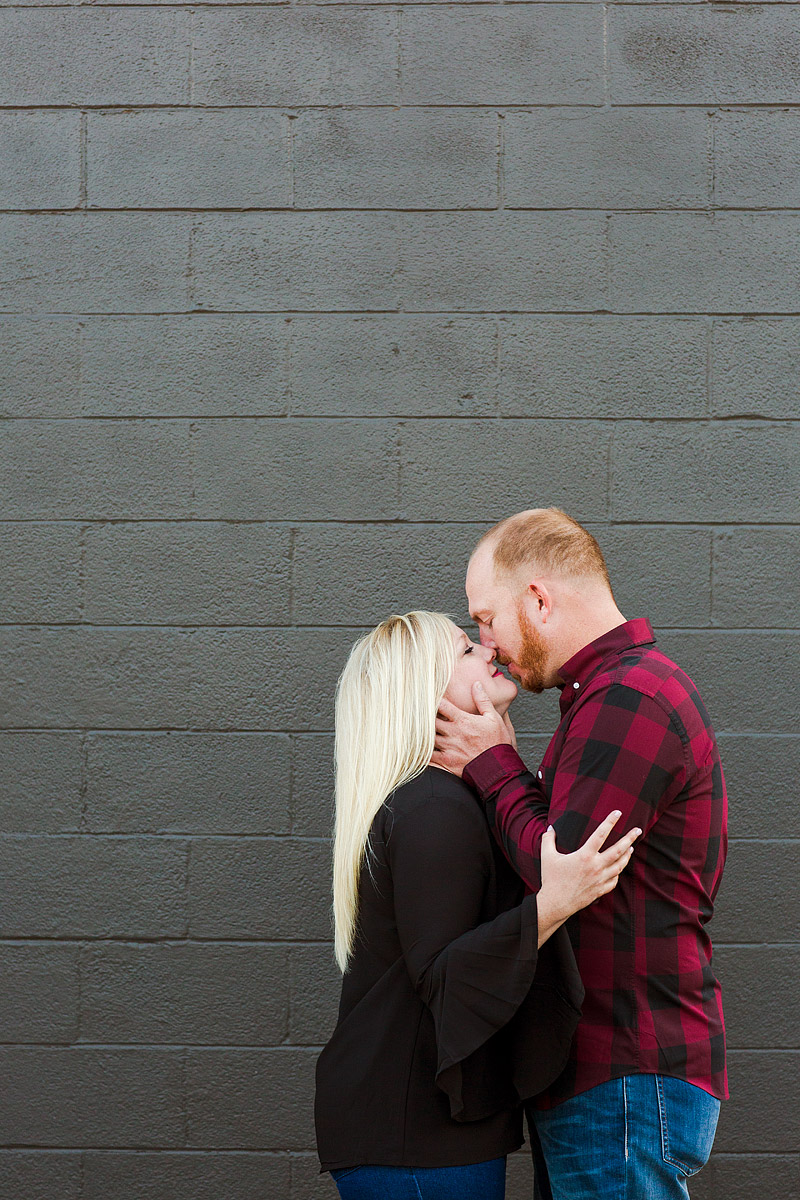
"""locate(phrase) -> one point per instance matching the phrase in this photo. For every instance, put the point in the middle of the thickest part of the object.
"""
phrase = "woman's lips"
(497, 672)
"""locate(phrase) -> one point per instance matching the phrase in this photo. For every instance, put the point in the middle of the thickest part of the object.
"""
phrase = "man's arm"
(622, 751)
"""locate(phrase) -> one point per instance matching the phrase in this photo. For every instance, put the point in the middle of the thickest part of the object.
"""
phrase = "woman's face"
(476, 662)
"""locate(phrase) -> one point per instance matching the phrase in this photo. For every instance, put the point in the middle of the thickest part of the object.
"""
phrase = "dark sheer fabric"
(448, 1015)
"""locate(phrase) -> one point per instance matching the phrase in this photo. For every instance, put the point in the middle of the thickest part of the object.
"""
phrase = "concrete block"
(405, 365)
(312, 789)
(761, 774)
(38, 993)
(705, 472)
(39, 367)
(107, 1097)
(93, 262)
(759, 899)
(602, 367)
(389, 158)
(39, 159)
(53, 887)
(188, 159)
(550, 54)
(381, 569)
(238, 680)
(671, 54)
(259, 888)
(40, 1174)
(765, 1017)
(762, 1113)
(315, 989)
(203, 365)
(71, 470)
(470, 471)
(756, 571)
(660, 573)
(731, 672)
(755, 366)
(704, 262)
(757, 159)
(280, 680)
(307, 1182)
(74, 56)
(296, 470)
(304, 261)
(187, 573)
(519, 1175)
(741, 1176)
(273, 56)
(503, 261)
(187, 783)
(184, 1175)
(606, 158)
(184, 993)
(40, 782)
(251, 1099)
(92, 887)
(85, 677)
(39, 566)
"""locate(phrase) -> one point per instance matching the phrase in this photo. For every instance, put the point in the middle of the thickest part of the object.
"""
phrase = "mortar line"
(712, 539)
(606, 73)
(83, 138)
(191, 54)
(290, 119)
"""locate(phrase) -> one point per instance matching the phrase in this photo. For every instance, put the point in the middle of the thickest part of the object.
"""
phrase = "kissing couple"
(502, 959)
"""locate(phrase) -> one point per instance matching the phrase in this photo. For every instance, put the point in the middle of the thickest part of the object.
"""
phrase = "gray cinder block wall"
(295, 300)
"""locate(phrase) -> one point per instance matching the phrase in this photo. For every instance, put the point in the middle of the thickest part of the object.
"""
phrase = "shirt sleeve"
(622, 751)
(472, 976)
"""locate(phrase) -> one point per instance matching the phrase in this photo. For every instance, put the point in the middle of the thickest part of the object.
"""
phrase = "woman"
(449, 1014)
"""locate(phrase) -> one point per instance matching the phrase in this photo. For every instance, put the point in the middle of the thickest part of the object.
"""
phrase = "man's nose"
(486, 639)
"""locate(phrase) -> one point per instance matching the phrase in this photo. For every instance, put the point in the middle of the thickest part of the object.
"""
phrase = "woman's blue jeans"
(639, 1137)
(478, 1181)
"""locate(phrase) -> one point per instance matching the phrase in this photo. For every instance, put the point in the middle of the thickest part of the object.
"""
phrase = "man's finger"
(447, 710)
(482, 701)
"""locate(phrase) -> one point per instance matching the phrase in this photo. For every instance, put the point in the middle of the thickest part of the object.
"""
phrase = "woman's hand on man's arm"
(573, 881)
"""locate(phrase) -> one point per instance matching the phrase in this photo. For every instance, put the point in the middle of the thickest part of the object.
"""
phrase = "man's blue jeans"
(635, 1138)
(478, 1181)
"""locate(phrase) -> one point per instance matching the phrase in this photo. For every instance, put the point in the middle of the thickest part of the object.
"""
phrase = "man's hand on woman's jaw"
(462, 736)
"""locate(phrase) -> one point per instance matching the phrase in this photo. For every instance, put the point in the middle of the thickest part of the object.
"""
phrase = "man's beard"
(532, 658)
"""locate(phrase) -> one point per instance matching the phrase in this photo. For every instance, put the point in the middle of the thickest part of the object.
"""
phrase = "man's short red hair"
(548, 540)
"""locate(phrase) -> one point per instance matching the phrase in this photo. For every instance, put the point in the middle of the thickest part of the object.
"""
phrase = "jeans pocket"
(689, 1118)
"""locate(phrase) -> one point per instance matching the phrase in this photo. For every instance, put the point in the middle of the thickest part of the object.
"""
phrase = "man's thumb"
(482, 701)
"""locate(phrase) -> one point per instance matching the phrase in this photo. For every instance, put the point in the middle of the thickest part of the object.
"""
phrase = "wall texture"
(295, 300)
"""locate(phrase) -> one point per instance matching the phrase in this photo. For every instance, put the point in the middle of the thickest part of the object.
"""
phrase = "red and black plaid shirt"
(634, 735)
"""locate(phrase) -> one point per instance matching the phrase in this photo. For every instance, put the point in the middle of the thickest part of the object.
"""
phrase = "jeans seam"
(416, 1185)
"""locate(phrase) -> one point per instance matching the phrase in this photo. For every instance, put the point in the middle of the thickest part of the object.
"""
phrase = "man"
(635, 1111)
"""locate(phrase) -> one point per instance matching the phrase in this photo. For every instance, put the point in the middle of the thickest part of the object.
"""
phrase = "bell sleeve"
(472, 976)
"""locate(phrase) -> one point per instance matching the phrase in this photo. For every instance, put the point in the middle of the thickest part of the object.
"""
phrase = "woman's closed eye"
(469, 649)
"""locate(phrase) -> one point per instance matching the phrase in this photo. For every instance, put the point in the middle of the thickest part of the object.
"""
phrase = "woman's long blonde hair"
(386, 702)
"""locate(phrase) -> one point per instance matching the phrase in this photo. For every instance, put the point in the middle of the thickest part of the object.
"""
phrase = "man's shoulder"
(647, 671)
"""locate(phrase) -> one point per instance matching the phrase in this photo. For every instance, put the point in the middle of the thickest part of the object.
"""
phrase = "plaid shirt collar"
(578, 670)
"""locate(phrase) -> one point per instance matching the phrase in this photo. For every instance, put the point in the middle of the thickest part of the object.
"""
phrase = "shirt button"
(539, 774)
(576, 686)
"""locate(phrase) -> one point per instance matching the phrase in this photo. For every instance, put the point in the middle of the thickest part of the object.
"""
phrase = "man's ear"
(542, 598)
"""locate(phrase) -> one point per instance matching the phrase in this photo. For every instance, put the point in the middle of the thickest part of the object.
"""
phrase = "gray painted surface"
(296, 300)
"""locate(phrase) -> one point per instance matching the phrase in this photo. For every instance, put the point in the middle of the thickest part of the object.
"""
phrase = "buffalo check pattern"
(634, 735)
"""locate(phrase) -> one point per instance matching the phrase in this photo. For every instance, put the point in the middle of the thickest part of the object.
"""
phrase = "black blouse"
(448, 1016)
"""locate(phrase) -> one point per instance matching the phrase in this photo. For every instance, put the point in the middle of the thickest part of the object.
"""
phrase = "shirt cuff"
(490, 770)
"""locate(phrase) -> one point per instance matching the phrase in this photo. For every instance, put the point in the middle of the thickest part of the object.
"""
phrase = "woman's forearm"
(551, 912)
